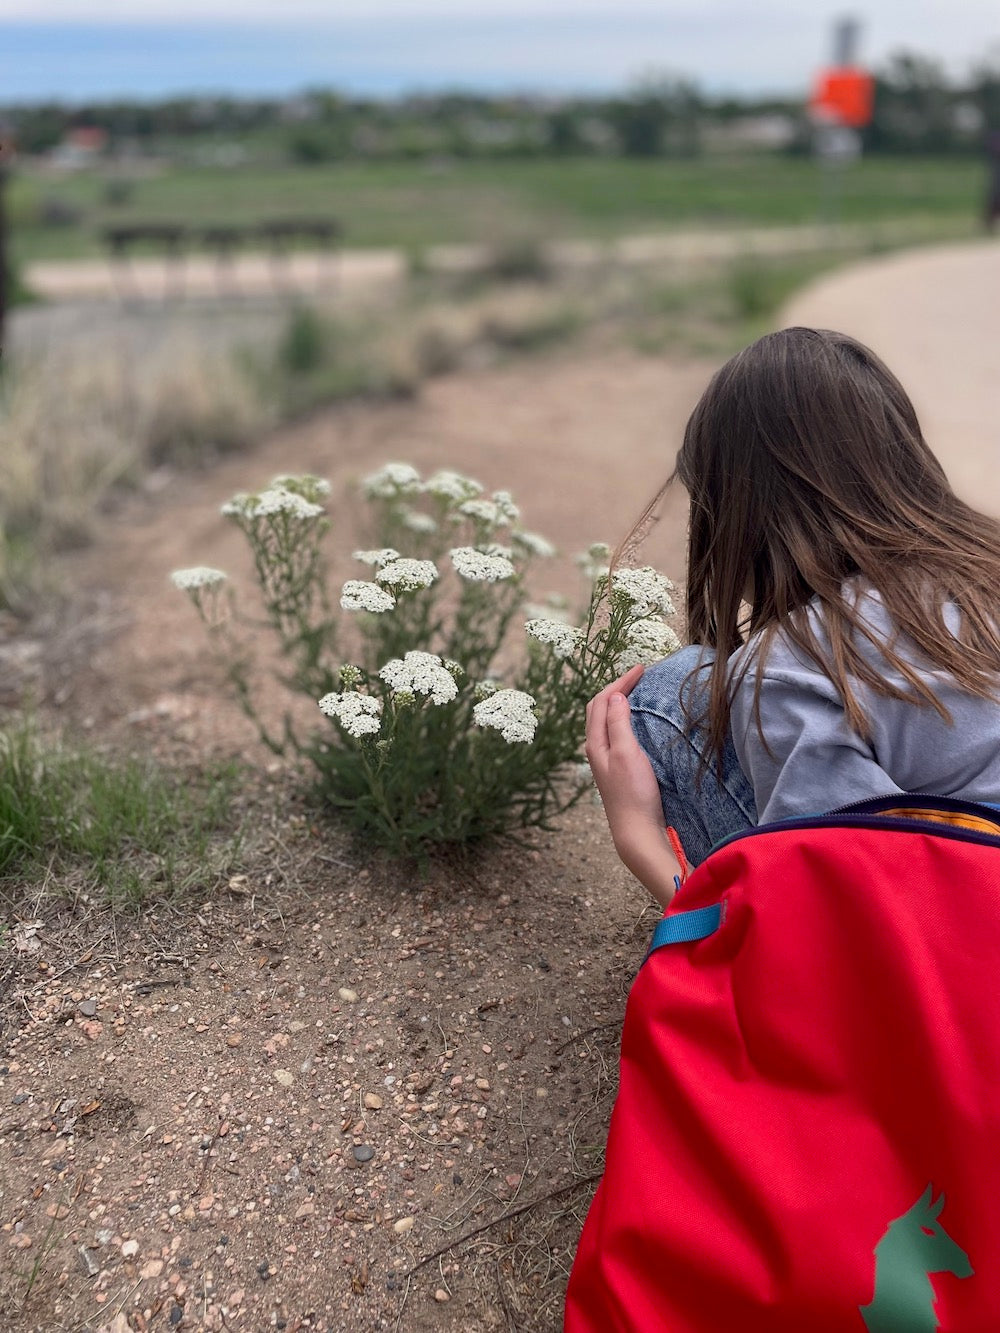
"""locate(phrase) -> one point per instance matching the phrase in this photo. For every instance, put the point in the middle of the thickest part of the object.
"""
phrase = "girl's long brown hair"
(806, 467)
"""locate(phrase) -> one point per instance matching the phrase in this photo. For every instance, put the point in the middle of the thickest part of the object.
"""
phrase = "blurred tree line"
(918, 109)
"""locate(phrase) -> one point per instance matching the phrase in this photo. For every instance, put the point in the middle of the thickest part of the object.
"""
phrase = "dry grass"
(79, 422)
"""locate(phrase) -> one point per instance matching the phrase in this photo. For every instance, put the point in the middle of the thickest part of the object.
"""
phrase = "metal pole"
(6, 282)
(845, 41)
(4, 265)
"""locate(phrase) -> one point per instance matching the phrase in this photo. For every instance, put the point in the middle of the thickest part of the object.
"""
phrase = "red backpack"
(807, 1132)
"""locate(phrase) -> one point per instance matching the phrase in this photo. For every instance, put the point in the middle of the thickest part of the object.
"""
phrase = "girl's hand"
(629, 790)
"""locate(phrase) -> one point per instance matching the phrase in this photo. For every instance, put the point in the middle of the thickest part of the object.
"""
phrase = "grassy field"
(412, 205)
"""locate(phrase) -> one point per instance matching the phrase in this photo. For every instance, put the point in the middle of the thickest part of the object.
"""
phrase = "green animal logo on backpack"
(915, 1245)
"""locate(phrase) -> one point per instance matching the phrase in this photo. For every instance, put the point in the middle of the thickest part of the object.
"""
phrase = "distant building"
(80, 148)
(746, 133)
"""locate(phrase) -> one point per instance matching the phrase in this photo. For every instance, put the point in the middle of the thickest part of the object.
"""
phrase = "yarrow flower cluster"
(563, 639)
(594, 562)
(267, 504)
(408, 575)
(360, 595)
(533, 544)
(480, 566)
(304, 484)
(358, 714)
(199, 576)
(420, 673)
(511, 712)
(413, 704)
(418, 522)
(646, 589)
(392, 480)
(452, 486)
(382, 557)
(647, 641)
(498, 512)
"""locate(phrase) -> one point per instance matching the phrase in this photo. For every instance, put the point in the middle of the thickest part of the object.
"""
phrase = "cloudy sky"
(88, 48)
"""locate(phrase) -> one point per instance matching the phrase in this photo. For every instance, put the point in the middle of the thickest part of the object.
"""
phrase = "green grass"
(121, 828)
(412, 205)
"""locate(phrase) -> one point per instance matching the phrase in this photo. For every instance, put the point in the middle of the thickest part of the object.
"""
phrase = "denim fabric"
(723, 803)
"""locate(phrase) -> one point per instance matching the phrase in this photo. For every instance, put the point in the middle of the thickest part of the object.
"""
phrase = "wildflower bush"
(455, 710)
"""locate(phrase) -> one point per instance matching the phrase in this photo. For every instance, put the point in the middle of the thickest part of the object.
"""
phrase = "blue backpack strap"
(682, 927)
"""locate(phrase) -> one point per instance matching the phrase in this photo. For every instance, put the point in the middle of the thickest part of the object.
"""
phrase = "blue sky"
(78, 49)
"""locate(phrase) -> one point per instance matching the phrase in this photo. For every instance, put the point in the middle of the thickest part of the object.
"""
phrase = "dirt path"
(265, 1115)
(934, 316)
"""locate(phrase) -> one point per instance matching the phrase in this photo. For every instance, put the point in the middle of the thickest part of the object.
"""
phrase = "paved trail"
(934, 316)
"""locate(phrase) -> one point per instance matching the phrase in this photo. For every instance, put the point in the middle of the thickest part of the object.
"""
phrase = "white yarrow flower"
(382, 557)
(360, 595)
(480, 566)
(304, 484)
(358, 714)
(240, 506)
(407, 575)
(511, 712)
(533, 544)
(266, 504)
(392, 480)
(420, 673)
(452, 486)
(647, 589)
(418, 522)
(200, 576)
(647, 641)
(564, 639)
(595, 561)
(498, 512)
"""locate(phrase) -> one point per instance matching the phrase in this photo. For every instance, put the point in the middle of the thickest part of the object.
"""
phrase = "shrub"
(523, 259)
(450, 720)
(303, 344)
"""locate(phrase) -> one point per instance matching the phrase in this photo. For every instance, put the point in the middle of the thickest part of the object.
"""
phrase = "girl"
(842, 606)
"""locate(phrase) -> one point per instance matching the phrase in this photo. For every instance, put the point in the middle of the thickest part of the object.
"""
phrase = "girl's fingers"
(626, 682)
(608, 720)
(618, 721)
(597, 728)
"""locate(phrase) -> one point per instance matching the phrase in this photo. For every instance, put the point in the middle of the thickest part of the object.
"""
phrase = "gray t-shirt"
(819, 763)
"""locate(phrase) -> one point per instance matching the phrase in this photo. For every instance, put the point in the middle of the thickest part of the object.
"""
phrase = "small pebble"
(373, 1101)
(89, 1263)
(363, 1152)
(347, 995)
(88, 1008)
(404, 1225)
(440, 1295)
(285, 1077)
(130, 1248)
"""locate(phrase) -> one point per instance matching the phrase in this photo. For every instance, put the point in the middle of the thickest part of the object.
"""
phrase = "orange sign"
(844, 95)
